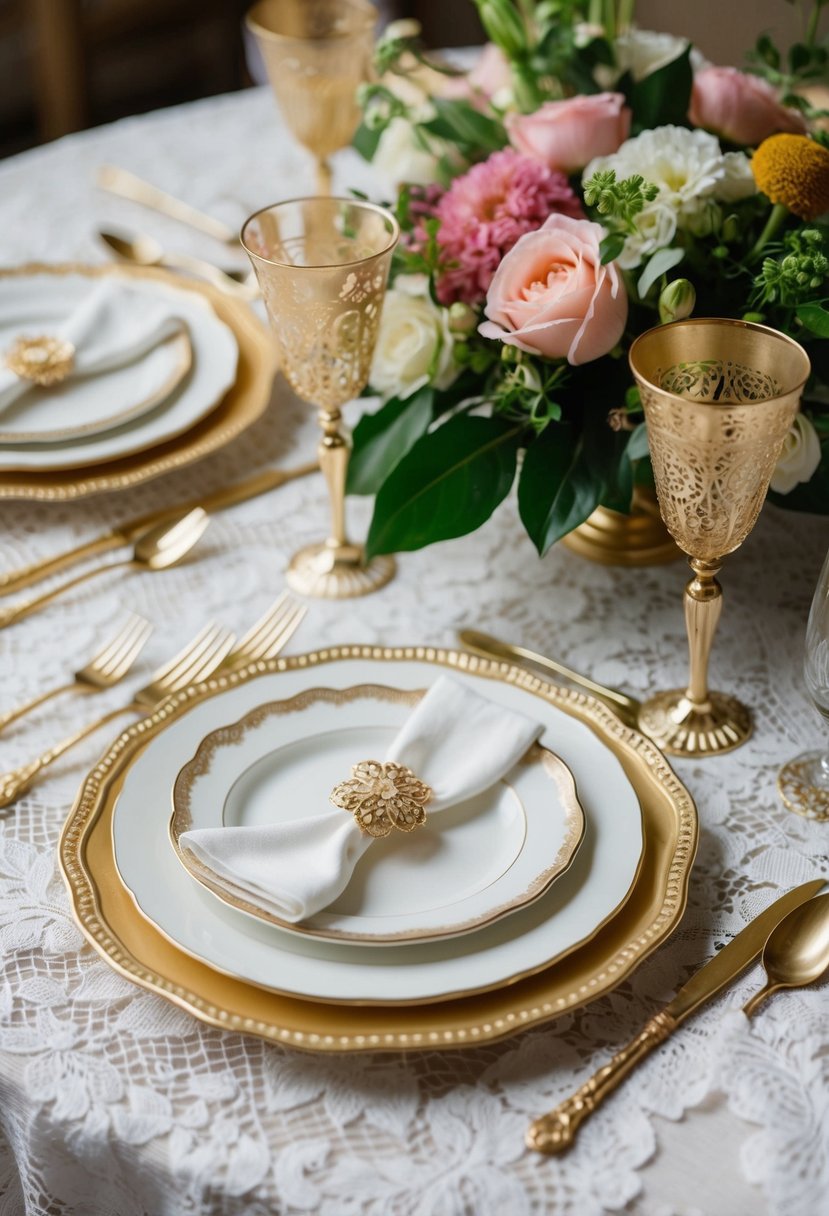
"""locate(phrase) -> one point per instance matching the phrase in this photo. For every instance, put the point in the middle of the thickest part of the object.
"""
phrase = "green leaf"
(382, 439)
(448, 484)
(637, 448)
(664, 96)
(611, 246)
(366, 140)
(816, 319)
(459, 122)
(661, 262)
(556, 491)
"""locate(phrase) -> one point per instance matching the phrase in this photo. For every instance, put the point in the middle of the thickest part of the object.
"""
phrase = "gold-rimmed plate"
(477, 862)
(108, 915)
(238, 408)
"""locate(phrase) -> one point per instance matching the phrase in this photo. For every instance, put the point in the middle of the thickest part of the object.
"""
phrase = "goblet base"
(802, 786)
(329, 572)
(682, 729)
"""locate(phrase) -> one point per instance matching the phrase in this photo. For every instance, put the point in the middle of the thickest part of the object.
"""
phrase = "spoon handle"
(754, 1002)
(24, 608)
(127, 185)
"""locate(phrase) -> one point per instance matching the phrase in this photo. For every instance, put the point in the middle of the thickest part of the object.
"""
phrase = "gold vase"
(719, 397)
(614, 539)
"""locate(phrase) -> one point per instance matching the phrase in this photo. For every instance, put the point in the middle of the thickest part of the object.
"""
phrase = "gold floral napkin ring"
(41, 358)
(382, 795)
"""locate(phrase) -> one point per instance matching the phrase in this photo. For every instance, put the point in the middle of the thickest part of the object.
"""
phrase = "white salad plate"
(576, 906)
(122, 411)
(465, 868)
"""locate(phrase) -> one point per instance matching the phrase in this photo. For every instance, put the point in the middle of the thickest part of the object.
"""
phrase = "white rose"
(402, 158)
(799, 458)
(414, 343)
(642, 52)
(655, 229)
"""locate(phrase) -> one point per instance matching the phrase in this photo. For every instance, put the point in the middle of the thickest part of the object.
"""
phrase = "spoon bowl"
(167, 544)
(797, 951)
(143, 250)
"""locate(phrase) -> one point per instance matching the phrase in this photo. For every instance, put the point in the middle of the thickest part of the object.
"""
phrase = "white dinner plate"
(596, 884)
(466, 867)
(39, 303)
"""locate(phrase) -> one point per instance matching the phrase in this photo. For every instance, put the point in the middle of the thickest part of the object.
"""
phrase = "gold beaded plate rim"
(110, 920)
(245, 402)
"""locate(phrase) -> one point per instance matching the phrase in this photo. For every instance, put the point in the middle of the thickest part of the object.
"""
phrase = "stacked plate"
(185, 397)
(532, 899)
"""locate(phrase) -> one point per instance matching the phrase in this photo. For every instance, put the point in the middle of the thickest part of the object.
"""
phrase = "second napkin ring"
(44, 360)
(383, 795)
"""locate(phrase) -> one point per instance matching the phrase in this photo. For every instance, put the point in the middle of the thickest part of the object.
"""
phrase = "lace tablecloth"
(113, 1103)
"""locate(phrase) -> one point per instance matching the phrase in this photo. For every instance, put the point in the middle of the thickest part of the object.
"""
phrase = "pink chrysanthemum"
(485, 211)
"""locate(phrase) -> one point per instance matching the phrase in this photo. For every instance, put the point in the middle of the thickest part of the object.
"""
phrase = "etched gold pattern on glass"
(383, 796)
(322, 265)
(42, 359)
(719, 397)
(317, 53)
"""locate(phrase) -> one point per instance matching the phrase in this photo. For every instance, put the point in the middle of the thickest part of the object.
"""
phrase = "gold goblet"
(316, 53)
(719, 397)
(322, 265)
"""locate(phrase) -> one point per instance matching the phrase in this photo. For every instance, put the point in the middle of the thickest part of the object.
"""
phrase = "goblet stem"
(333, 457)
(323, 176)
(703, 606)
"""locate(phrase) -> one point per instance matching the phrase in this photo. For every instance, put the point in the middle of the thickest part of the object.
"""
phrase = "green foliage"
(618, 202)
(448, 484)
(382, 439)
(556, 491)
(466, 128)
(662, 97)
(799, 274)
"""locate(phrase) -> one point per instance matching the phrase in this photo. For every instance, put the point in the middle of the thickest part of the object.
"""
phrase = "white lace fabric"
(114, 1103)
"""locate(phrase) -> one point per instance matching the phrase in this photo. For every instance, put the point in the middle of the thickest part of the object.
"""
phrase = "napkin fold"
(456, 741)
(111, 326)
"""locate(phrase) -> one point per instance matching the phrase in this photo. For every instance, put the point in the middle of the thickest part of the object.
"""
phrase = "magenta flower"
(485, 211)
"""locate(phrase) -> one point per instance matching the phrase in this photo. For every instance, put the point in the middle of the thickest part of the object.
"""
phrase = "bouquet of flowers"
(585, 181)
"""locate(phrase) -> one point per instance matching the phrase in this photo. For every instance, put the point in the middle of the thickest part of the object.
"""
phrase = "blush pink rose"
(489, 76)
(742, 108)
(567, 135)
(552, 296)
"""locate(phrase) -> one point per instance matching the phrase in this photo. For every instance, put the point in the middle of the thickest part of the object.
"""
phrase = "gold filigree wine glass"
(719, 397)
(316, 53)
(804, 782)
(322, 265)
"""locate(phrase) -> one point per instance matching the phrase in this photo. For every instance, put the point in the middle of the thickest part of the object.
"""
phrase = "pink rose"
(490, 74)
(742, 108)
(552, 296)
(567, 135)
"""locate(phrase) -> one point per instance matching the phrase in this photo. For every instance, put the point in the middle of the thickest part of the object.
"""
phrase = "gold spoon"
(143, 250)
(156, 549)
(797, 950)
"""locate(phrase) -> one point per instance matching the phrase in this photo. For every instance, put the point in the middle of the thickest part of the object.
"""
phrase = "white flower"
(799, 458)
(415, 342)
(655, 229)
(401, 157)
(689, 168)
(642, 52)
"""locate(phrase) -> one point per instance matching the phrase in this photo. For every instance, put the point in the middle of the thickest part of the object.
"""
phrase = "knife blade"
(125, 534)
(554, 1132)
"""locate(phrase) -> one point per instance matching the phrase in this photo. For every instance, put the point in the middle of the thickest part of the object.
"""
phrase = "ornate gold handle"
(17, 782)
(555, 1132)
(16, 612)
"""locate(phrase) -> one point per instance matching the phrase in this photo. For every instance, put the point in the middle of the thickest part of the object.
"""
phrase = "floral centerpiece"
(584, 182)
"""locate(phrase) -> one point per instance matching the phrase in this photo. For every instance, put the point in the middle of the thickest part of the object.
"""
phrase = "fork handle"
(17, 782)
(16, 612)
(14, 715)
(555, 1132)
(24, 576)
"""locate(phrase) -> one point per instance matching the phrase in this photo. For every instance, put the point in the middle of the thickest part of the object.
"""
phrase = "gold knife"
(555, 1132)
(125, 534)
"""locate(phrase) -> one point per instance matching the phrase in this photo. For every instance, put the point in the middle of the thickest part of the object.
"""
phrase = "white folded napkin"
(456, 741)
(111, 326)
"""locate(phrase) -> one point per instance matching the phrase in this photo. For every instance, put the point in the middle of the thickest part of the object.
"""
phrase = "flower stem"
(814, 21)
(627, 10)
(610, 20)
(594, 13)
(777, 218)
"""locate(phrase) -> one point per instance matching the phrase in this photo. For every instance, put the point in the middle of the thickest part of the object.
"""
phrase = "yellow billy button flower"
(793, 170)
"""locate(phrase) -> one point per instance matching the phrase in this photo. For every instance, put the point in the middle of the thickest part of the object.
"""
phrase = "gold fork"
(195, 662)
(156, 549)
(109, 665)
(269, 634)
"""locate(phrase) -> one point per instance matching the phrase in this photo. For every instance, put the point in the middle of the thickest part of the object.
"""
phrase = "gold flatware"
(106, 668)
(199, 659)
(270, 633)
(627, 708)
(128, 185)
(128, 533)
(156, 548)
(143, 250)
(797, 951)
(555, 1132)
